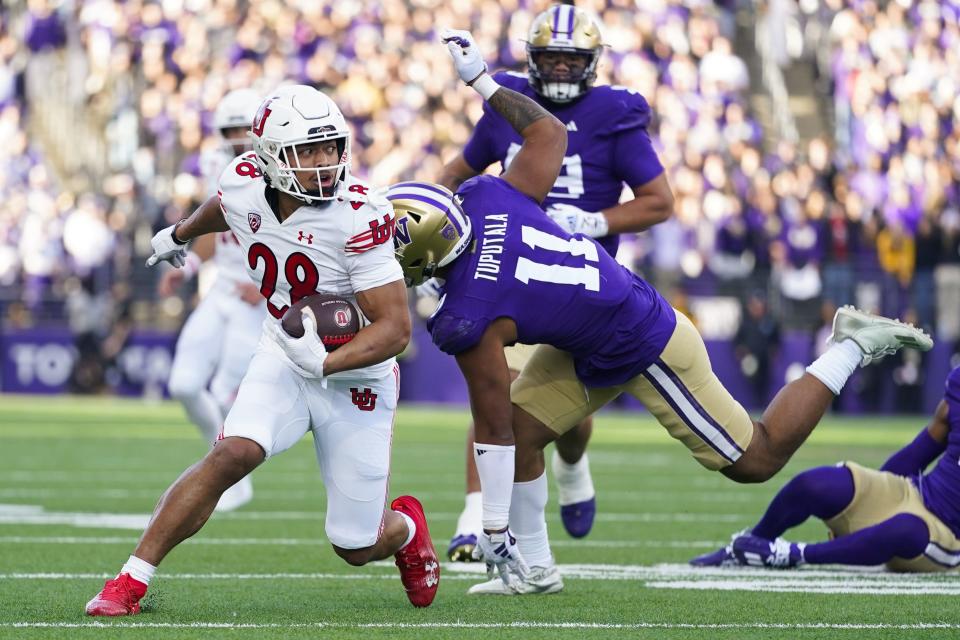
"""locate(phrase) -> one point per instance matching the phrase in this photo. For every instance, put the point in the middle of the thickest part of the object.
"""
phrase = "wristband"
(173, 233)
(485, 85)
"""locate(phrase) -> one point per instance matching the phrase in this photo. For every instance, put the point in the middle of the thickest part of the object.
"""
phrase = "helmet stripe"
(570, 14)
(422, 185)
(556, 20)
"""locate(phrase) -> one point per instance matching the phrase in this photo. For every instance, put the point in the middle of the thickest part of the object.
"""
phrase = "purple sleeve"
(479, 152)
(635, 160)
(916, 456)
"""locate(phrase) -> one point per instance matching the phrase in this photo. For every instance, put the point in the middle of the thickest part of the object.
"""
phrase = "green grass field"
(79, 476)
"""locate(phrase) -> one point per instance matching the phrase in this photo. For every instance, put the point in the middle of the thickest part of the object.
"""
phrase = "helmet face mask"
(289, 135)
(431, 229)
(568, 37)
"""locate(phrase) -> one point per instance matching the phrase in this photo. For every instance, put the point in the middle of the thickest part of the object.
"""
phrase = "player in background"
(511, 274)
(219, 337)
(898, 516)
(608, 147)
(305, 225)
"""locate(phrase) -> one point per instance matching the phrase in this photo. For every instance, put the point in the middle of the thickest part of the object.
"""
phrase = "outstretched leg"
(181, 512)
(859, 339)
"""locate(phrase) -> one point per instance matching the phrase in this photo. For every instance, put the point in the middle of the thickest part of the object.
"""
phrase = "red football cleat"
(419, 568)
(120, 597)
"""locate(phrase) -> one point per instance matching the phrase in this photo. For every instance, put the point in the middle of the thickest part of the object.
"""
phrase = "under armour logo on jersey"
(305, 236)
(254, 220)
(365, 400)
(571, 126)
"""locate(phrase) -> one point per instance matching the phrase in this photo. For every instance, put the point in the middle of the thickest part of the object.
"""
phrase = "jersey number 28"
(299, 271)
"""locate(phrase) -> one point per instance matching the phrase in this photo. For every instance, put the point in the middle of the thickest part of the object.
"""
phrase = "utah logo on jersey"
(378, 233)
(254, 220)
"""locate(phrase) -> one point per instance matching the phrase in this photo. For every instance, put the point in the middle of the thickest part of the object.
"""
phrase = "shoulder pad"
(453, 334)
(511, 80)
(241, 172)
(626, 109)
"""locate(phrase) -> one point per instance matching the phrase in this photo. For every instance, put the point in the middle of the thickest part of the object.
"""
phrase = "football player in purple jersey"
(898, 516)
(608, 147)
(511, 274)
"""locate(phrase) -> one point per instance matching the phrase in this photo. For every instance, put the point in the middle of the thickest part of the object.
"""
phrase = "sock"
(574, 483)
(471, 518)
(411, 528)
(528, 521)
(835, 366)
(902, 536)
(495, 464)
(203, 411)
(822, 492)
(139, 570)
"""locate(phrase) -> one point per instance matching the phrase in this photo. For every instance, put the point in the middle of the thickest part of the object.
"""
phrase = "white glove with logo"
(166, 249)
(306, 352)
(500, 552)
(576, 220)
(466, 56)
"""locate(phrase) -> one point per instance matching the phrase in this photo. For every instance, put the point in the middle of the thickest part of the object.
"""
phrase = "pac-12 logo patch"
(254, 220)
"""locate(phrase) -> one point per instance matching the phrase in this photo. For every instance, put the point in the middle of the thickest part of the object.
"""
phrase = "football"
(337, 319)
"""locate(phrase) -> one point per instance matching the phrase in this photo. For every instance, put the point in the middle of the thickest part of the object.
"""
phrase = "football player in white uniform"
(305, 225)
(219, 338)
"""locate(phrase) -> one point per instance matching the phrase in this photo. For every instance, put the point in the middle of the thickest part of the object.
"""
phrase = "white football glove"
(466, 55)
(166, 249)
(575, 220)
(306, 352)
(500, 552)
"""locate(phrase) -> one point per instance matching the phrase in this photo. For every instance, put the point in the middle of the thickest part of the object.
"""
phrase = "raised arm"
(924, 449)
(536, 166)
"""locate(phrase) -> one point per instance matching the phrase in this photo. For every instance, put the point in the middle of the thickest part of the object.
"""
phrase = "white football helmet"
(236, 109)
(299, 115)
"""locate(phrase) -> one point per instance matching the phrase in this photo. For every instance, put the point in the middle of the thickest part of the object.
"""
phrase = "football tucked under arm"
(336, 318)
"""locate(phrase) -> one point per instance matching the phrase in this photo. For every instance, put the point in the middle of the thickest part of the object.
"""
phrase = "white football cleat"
(876, 336)
(538, 581)
(236, 496)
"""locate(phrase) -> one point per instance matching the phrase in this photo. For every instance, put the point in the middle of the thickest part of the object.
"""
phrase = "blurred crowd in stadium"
(105, 109)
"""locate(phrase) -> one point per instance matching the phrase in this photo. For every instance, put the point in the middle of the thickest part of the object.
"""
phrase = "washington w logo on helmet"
(431, 229)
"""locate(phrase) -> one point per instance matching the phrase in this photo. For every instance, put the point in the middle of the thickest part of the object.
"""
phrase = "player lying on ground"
(896, 516)
(219, 338)
(510, 274)
(305, 225)
(608, 147)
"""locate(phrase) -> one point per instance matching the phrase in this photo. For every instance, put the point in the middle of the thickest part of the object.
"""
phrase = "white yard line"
(293, 542)
(666, 576)
(483, 625)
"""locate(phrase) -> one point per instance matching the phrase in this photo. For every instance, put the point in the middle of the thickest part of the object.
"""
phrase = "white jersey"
(343, 247)
(228, 257)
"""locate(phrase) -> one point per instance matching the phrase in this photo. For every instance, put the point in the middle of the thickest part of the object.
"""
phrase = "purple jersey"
(607, 146)
(559, 289)
(941, 487)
